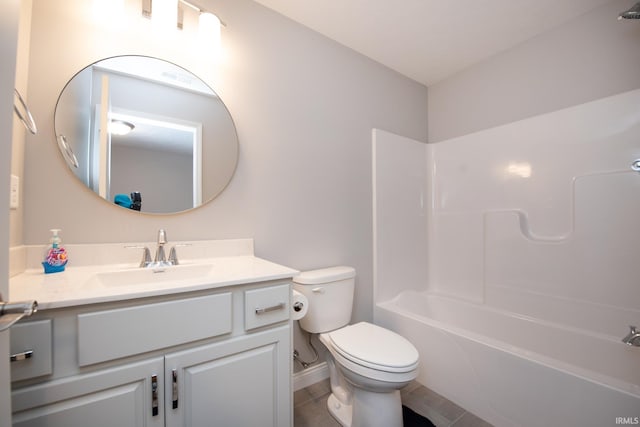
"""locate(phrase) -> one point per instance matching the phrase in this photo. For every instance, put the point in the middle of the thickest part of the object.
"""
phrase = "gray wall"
(304, 108)
(588, 58)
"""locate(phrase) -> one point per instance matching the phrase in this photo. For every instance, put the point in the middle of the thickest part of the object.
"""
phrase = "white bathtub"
(514, 370)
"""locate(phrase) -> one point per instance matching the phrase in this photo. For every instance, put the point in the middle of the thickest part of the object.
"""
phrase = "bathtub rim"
(603, 380)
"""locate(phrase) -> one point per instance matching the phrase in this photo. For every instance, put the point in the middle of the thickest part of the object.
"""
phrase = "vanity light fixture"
(173, 11)
(120, 127)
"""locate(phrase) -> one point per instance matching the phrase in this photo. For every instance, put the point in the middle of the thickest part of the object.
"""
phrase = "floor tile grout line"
(457, 419)
(313, 399)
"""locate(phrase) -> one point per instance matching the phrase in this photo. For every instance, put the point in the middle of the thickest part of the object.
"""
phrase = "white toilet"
(368, 364)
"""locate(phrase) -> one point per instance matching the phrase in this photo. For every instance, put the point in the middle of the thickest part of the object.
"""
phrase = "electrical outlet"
(14, 192)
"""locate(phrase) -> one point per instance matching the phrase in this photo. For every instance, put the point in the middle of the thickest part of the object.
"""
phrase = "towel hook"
(23, 113)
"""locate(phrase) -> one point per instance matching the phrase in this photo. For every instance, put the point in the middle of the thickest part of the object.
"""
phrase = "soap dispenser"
(55, 257)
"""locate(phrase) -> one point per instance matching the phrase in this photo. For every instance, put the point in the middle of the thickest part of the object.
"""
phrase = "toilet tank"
(330, 295)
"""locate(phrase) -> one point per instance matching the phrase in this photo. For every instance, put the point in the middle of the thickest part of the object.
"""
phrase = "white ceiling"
(429, 40)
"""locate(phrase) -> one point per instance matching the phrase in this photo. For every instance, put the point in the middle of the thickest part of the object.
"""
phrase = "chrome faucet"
(161, 257)
(633, 337)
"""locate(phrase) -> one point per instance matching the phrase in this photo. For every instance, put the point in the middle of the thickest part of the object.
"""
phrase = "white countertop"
(79, 285)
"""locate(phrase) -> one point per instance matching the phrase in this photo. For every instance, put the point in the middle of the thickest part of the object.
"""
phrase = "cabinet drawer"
(266, 306)
(31, 349)
(111, 334)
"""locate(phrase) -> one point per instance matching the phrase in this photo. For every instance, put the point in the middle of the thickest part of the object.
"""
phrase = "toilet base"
(371, 409)
(339, 411)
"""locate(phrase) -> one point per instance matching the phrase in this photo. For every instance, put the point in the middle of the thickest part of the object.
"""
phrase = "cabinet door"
(121, 396)
(242, 382)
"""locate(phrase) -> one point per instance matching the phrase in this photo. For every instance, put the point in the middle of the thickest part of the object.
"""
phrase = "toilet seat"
(374, 347)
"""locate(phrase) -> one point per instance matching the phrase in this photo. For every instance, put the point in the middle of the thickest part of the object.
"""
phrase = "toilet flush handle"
(318, 290)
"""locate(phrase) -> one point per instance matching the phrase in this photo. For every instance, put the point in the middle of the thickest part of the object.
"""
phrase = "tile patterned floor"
(310, 407)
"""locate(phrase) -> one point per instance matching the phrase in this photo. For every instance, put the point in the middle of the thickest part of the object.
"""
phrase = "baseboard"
(311, 375)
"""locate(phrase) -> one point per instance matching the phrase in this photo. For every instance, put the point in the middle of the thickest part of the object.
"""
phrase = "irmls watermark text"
(629, 421)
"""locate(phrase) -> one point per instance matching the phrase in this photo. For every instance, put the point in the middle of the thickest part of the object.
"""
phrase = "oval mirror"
(146, 134)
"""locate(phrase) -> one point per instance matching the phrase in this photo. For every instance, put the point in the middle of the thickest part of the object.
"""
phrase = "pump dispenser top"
(55, 238)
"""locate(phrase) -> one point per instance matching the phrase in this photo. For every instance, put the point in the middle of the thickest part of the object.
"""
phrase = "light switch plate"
(14, 192)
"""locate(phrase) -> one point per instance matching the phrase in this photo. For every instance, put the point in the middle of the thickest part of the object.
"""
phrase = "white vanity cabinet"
(220, 357)
(236, 383)
(117, 396)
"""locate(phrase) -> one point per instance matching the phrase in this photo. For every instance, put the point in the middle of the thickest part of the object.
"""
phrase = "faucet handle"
(146, 254)
(173, 254)
(173, 257)
(162, 237)
(146, 257)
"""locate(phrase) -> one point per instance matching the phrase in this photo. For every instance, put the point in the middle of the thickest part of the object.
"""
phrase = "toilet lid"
(376, 347)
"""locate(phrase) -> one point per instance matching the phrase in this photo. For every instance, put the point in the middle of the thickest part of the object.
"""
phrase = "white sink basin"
(158, 275)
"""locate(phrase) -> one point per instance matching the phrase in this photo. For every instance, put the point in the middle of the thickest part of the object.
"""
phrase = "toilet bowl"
(376, 363)
(368, 364)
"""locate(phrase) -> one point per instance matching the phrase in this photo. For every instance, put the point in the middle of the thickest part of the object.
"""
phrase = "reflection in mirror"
(176, 146)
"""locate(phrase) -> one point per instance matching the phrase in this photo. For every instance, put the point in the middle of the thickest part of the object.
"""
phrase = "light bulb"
(209, 31)
(164, 13)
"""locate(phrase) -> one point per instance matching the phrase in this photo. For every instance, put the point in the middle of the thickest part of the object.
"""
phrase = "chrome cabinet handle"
(23, 113)
(154, 395)
(27, 354)
(174, 388)
(278, 306)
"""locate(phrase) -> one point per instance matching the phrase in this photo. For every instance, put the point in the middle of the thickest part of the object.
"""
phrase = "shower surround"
(509, 258)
